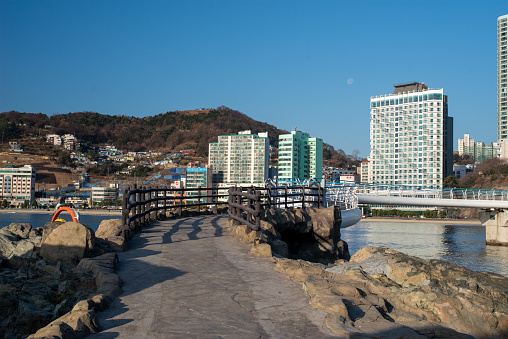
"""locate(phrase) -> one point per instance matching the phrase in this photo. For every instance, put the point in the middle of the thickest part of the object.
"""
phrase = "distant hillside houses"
(67, 141)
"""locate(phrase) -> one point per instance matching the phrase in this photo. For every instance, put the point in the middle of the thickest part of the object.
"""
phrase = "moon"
(350, 81)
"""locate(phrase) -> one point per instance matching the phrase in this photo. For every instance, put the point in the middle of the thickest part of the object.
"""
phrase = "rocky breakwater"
(311, 234)
(378, 292)
(59, 274)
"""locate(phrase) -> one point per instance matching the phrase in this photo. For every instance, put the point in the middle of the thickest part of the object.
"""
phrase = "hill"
(174, 130)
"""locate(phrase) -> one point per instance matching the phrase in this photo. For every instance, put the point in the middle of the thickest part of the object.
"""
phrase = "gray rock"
(69, 243)
(12, 245)
(108, 228)
(20, 229)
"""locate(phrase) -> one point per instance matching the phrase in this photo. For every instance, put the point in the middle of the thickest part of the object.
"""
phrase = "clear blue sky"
(306, 64)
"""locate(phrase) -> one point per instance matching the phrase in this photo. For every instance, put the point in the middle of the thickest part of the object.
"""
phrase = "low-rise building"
(100, 194)
(351, 178)
(15, 146)
(54, 139)
(199, 177)
(460, 171)
(17, 184)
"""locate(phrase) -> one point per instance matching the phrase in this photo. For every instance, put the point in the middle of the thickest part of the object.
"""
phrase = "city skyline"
(311, 65)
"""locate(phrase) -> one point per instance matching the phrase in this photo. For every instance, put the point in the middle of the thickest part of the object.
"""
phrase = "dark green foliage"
(106, 169)
(450, 182)
(140, 171)
(462, 159)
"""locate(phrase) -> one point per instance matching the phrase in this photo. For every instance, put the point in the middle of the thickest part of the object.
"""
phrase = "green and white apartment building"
(300, 156)
(197, 177)
(239, 159)
(410, 137)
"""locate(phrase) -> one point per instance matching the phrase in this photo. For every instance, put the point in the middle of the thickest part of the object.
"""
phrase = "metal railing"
(432, 192)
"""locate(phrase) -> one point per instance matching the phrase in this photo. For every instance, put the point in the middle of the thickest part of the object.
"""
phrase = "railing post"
(165, 195)
(199, 199)
(257, 208)
(125, 212)
(139, 208)
(286, 196)
(179, 209)
(303, 196)
(250, 204)
(238, 211)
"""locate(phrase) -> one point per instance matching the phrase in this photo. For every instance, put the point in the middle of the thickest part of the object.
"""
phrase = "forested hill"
(192, 129)
(167, 131)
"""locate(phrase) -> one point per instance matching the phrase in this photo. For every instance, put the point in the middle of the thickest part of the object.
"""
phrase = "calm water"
(40, 219)
(459, 244)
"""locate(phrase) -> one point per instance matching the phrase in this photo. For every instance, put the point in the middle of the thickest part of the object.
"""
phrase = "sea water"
(40, 219)
(460, 244)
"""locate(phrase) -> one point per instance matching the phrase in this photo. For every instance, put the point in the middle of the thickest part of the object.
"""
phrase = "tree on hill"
(170, 131)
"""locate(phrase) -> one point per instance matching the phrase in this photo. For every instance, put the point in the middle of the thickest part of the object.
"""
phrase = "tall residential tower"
(502, 81)
(241, 158)
(300, 156)
(410, 137)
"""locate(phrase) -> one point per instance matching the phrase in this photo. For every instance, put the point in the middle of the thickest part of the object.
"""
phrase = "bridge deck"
(186, 278)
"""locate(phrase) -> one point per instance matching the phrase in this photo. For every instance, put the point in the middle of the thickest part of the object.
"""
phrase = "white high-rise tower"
(410, 137)
(502, 80)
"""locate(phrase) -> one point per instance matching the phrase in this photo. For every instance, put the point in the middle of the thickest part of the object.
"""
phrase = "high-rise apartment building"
(241, 158)
(466, 145)
(410, 137)
(502, 80)
(300, 156)
(478, 151)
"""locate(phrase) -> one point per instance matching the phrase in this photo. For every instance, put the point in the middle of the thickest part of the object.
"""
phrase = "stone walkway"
(185, 278)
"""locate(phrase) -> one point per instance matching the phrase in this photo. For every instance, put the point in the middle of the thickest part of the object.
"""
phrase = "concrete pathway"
(185, 278)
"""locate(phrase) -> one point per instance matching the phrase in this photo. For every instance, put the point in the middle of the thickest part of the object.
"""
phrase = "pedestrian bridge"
(432, 196)
(493, 203)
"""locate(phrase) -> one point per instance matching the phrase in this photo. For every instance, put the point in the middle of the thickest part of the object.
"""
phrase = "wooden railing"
(245, 203)
(248, 213)
(141, 205)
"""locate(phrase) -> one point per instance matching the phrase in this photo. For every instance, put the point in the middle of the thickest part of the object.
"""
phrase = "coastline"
(52, 211)
(424, 220)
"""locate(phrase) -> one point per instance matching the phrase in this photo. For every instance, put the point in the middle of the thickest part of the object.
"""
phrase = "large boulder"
(108, 228)
(49, 227)
(69, 242)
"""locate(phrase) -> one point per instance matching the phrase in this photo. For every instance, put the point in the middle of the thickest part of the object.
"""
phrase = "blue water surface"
(460, 244)
(40, 219)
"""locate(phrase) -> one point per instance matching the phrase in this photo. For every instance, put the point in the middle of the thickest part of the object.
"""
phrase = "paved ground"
(185, 278)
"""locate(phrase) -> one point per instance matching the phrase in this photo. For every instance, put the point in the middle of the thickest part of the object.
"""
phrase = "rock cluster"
(44, 274)
(311, 234)
(383, 293)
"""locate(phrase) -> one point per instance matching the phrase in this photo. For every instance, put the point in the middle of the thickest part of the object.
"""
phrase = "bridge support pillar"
(496, 227)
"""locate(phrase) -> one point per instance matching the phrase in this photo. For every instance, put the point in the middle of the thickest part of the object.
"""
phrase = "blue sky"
(306, 64)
